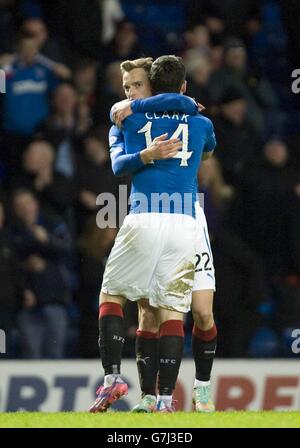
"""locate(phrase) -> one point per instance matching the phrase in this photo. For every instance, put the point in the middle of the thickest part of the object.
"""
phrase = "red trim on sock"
(146, 334)
(110, 309)
(207, 335)
(171, 328)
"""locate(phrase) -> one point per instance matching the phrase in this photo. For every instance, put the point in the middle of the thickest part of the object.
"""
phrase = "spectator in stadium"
(43, 246)
(266, 186)
(199, 70)
(287, 285)
(294, 226)
(94, 176)
(218, 196)
(231, 17)
(55, 191)
(241, 280)
(124, 45)
(30, 78)
(238, 142)
(48, 46)
(290, 16)
(257, 91)
(12, 289)
(112, 14)
(217, 57)
(292, 139)
(94, 245)
(65, 127)
(206, 39)
(85, 83)
(79, 28)
(198, 40)
(8, 25)
(111, 94)
(241, 288)
(27, 64)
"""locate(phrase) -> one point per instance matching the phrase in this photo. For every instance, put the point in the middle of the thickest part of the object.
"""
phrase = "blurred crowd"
(62, 61)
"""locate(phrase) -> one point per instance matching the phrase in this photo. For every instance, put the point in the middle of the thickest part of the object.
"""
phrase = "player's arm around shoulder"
(122, 163)
(157, 103)
(120, 111)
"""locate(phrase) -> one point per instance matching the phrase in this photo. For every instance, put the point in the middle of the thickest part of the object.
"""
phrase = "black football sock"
(171, 344)
(146, 346)
(111, 337)
(204, 345)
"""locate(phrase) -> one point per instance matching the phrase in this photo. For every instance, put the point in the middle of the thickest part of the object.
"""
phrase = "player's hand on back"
(121, 110)
(201, 108)
(161, 148)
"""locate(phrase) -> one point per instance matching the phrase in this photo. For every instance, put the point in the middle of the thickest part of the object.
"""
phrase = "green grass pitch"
(233, 419)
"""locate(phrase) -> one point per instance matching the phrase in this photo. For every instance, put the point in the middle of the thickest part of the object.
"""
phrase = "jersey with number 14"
(173, 178)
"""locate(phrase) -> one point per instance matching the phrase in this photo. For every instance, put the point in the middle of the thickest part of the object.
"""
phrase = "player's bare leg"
(111, 341)
(170, 351)
(204, 343)
(147, 355)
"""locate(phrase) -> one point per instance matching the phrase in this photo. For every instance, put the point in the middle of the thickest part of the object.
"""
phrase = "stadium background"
(240, 55)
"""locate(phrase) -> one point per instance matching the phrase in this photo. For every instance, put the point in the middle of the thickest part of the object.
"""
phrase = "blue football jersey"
(26, 102)
(167, 186)
(123, 163)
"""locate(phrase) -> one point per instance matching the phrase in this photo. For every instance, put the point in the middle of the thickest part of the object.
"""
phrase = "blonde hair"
(144, 63)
